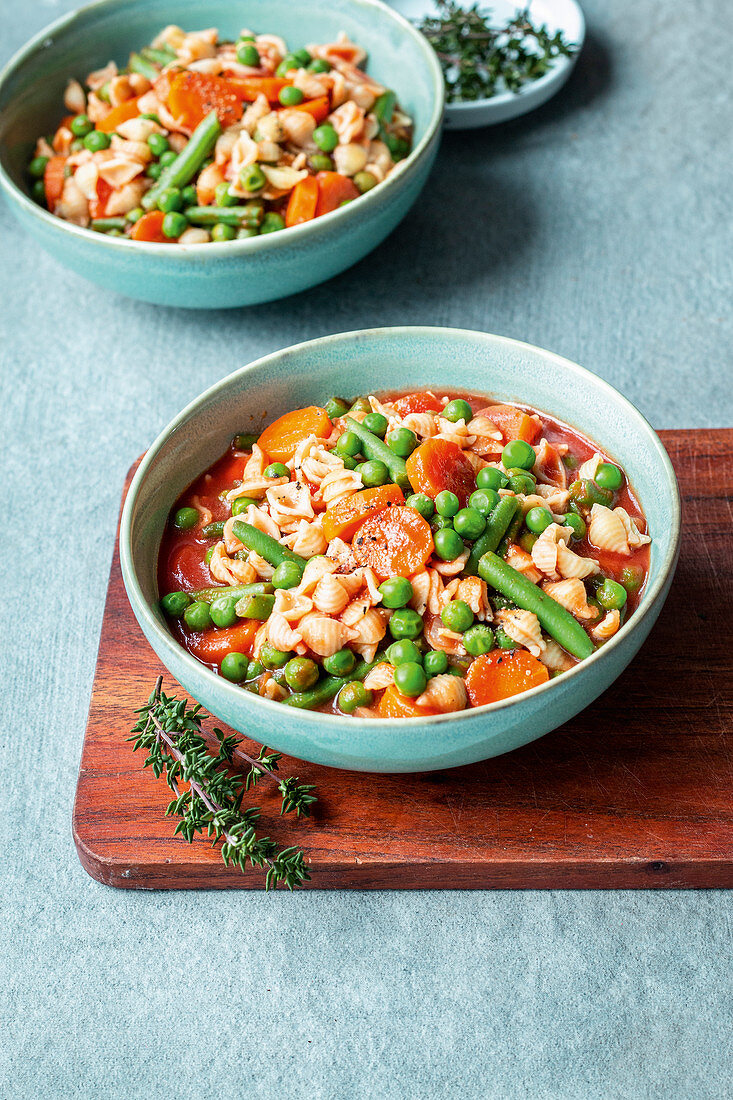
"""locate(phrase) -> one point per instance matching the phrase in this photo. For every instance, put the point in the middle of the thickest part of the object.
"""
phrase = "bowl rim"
(233, 691)
(271, 241)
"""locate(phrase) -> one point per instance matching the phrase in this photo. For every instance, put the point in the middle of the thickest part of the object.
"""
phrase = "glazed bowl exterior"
(367, 362)
(240, 272)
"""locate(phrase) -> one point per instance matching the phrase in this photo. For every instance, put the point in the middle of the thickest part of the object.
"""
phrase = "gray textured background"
(599, 228)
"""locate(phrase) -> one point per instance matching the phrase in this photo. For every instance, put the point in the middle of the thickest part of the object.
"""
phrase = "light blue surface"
(598, 227)
(237, 273)
(504, 369)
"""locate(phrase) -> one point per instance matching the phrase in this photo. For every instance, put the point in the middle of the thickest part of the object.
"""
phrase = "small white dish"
(557, 15)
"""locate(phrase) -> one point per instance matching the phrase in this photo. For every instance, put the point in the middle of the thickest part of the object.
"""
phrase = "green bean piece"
(188, 161)
(103, 225)
(258, 588)
(335, 407)
(245, 441)
(162, 56)
(496, 525)
(361, 405)
(326, 688)
(586, 493)
(375, 448)
(512, 533)
(558, 622)
(139, 65)
(213, 530)
(249, 215)
(264, 545)
(384, 107)
(255, 607)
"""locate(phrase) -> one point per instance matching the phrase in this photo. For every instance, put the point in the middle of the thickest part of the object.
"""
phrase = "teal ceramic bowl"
(234, 273)
(368, 362)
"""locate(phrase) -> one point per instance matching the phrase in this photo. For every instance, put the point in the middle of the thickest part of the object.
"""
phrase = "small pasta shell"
(323, 635)
(472, 590)
(445, 693)
(316, 568)
(381, 676)
(420, 591)
(571, 595)
(229, 570)
(570, 564)
(554, 657)
(291, 604)
(520, 560)
(607, 627)
(607, 530)
(523, 627)
(330, 596)
(451, 568)
(308, 540)
(549, 467)
(590, 467)
(424, 425)
(338, 484)
(634, 536)
(280, 634)
(289, 504)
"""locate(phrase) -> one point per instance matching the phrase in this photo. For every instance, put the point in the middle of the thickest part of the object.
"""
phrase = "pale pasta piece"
(590, 467)
(607, 627)
(308, 539)
(229, 570)
(330, 596)
(289, 504)
(368, 626)
(554, 657)
(420, 591)
(549, 468)
(607, 530)
(455, 432)
(205, 516)
(324, 635)
(340, 552)
(445, 693)
(423, 424)
(545, 550)
(262, 568)
(552, 497)
(473, 591)
(254, 483)
(381, 676)
(440, 637)
(520, 560)
(634, 536)
(570, 564)
(281, 634)
(451, 568)
(571, 595)
(522, 627)
(339, 484)
(259, 641)
(487, 439)
(292, 604)
(316, 568)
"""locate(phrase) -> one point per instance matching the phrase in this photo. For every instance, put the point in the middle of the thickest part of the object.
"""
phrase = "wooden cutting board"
(636, 792)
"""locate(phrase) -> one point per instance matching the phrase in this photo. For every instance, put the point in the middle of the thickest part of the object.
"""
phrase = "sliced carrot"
(194, 95)
(320, 107)
(53, 180)
(150, 228)
(512, 422)
(417, 403)
(249, 88)
(122, 113)
(212, 646)
(98, 206)
(393, 542)
(333, 189)
(394, 704)
(438, 464)
(344, 518)
(302, 202)
(501, 674)
(280, 438)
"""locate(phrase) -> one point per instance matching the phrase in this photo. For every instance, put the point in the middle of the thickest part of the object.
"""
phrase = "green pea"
(303, 57)
(272, 222)
(405, 623)
(247, 231)
(376, 423)
(491, 478)
(402, 441)
(521, 483)
(469, 523)
(478, 639)
(97, 140)
(396, 592)
(336, 407)
(632, 578)
(435, 662)
(527, 539)
(484, 501)
(340, 663)
(349, 462)
(189, 195)
(353, 695)
(241, 504)
(609, 476)
(398, 147)
(320, 162)
(537, 519)
(457, 615)
(222, 611)
(348, 443)
(422, 503)
(325, 137)
(150, 115)
(252, 178)
(154, 170)
(518, 453)
(439, 523)
(584, 493)
(158, 144)
(572, 519)
(290, 97)
(185, 518)
(447, 503)
(277, 469)
(361, 405)
(197, 616)
(457, 410)
(175, 603)
(410, 679)
(273, 658)
(37, 167)
(255, 669)
(235, 667)
(286, 65)
(38, 191)
(81, 126)
(170, 199)
(103, 93)
(222, 232)
(301, 673)
(448, 544)
(76, 146)
(247, 54)
(223, 196)
(174, 224)
(364, 181)
(319, 65)
(503, 640)
(373, 473)
(288, 574)
(209, 555)
(134, 215)
(611, 595)
(404, 650)
(167, 158)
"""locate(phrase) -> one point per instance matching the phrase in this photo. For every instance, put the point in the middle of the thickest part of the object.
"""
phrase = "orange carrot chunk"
(122, 113)
(53, 180)
(212, 646)
(280, 438)
(438, 464)
(333, 189)
(150, 228)
(394, 704)
(501, 674)
(194, 95)
(249, 88)
(393, 542)
(344, 518)
(512, 422)
(302, 202)
(319, 108)
(417, 403)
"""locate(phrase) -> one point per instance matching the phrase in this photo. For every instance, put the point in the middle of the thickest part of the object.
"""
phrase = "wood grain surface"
(636, 792)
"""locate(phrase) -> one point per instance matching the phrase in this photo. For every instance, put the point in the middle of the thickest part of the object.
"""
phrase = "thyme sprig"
(479, 60)
(171, 732)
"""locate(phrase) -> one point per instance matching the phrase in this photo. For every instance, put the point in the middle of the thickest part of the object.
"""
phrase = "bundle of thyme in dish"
(171, 731)
(479, 60)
